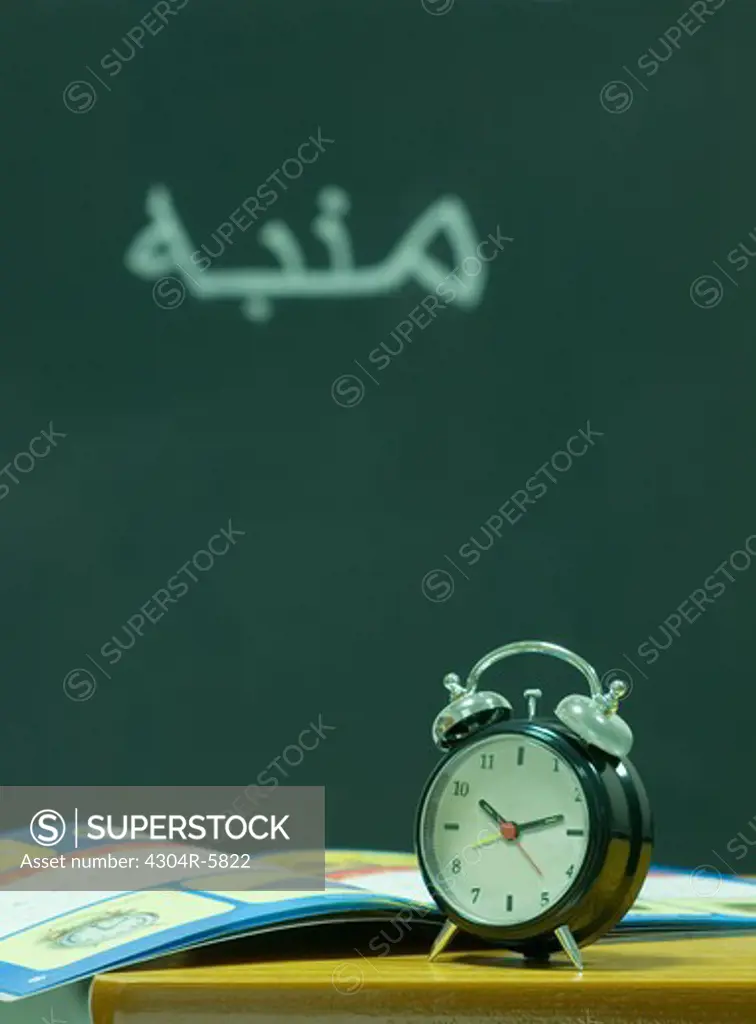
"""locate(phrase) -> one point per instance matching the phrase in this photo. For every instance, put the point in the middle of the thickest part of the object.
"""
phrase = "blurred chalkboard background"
(613, 143)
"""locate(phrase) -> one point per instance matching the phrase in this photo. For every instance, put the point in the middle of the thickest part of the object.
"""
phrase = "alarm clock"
(533, 833)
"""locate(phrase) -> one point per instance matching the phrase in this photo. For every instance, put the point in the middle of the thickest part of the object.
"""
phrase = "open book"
(48, 939)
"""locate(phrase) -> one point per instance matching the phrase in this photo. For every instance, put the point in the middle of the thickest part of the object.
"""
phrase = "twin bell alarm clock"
(534, 832)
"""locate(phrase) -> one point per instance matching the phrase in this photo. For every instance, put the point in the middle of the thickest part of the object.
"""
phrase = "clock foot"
(569, 946)
(445, 936)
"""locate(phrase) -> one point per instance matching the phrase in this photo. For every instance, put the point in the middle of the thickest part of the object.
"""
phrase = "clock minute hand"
(529, 826)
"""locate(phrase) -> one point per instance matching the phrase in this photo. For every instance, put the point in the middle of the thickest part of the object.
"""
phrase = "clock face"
(504, 830)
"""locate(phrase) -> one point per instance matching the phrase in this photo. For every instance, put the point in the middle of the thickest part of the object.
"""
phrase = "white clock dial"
(504, 830)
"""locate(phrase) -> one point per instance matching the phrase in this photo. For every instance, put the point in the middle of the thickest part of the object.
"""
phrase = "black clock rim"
(599, 816)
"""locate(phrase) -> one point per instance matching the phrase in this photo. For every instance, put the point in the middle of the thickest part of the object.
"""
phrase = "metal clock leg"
(443, 939)
(570, 947)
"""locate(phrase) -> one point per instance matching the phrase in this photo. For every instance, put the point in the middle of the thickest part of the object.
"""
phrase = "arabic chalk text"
(164, 247)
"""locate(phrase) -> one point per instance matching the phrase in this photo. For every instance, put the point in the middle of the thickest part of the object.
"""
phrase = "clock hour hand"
(492, 812)
(507, 829)
(509, 832)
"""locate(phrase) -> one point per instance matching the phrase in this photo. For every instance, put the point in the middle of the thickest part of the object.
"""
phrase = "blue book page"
(49, 938)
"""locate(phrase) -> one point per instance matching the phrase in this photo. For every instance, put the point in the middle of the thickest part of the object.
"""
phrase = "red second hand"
(510, 834)
(527, 855)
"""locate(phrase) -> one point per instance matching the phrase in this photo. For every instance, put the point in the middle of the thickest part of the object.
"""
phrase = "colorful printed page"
(669, 899)
(48, 939)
